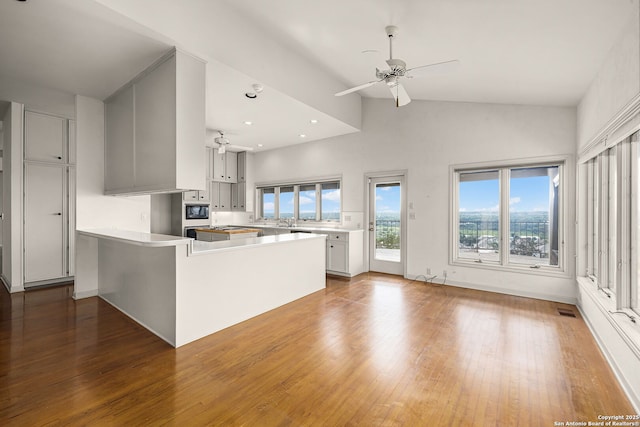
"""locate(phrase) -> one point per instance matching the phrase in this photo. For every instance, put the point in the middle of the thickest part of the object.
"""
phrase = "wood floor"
(376, 350)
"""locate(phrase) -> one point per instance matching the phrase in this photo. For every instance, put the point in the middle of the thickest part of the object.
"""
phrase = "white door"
(385, 225)
(44, 137)
(44, 227)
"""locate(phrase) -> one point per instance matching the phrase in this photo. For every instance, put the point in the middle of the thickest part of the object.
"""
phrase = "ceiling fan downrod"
(391, 32)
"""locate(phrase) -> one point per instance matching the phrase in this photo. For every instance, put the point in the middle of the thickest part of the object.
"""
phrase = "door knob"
(58, 213)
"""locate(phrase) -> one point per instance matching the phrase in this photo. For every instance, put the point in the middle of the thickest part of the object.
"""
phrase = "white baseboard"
(614, 346)
(10, 289)
(85, 294)
(515, 292)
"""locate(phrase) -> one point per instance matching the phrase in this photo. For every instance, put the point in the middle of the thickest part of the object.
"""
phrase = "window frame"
(504, 169)
(317, 183)
(612, 245)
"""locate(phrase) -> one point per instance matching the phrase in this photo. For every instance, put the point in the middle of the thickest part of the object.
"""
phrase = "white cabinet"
(238, 197)
(220, 194)
(45, 242)
(225, 166)
(344, 250)
(337, 256)
(119, 142)
(338, 252)
(155, 129)
(209, 163)
(242, 166)
(45, 138)
(231, 166)
(195, 196)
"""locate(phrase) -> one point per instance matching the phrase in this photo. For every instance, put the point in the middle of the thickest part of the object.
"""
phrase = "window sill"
(629, 331)
(525, 269)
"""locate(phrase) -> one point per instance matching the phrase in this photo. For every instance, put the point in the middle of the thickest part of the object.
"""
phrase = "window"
(330, 201)
(509, 216)
(479, 215)
(267, 203)
(286, 202)
(612, 222)
(305, 201)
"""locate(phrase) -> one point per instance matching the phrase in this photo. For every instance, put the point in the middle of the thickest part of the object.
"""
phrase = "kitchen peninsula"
(183, 289)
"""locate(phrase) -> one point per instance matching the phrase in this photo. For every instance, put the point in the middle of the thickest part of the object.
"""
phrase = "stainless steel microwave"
(196, 212)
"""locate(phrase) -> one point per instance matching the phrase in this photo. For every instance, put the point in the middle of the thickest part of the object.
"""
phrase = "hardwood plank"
(371, 350)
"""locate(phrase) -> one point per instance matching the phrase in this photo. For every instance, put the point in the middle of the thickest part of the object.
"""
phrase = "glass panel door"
(385, 225)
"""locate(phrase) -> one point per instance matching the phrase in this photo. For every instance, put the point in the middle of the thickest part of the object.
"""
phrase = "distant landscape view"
(528, 235)
(531, 229)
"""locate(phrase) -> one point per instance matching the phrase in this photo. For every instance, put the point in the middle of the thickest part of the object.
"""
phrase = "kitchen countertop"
(138, 238)
(304, 228)
(229, 230)
(195, 247)
(200, 247)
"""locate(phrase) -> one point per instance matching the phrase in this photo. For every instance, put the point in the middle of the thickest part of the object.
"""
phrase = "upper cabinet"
(242, 166)
(227, 165)
(45, 138)
(155, 129)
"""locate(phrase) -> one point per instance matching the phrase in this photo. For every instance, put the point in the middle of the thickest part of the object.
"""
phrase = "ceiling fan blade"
(438, 67)
(357, 88)
(400, 95)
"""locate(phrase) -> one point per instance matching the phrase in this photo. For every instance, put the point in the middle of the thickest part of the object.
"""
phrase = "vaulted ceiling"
(543, 52)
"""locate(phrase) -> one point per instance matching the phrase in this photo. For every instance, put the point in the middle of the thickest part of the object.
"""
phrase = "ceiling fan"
(395, 69)
(223, 143)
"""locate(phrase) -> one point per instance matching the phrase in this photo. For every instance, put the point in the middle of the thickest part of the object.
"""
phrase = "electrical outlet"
(428, 271)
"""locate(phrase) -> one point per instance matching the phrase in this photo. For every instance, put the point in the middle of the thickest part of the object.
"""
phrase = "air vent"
(566, 312)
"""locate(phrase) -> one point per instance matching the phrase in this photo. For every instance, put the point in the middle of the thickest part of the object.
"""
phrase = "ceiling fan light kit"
(397, 69)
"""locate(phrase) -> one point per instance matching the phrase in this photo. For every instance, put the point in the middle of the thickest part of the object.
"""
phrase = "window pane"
(533, 216)
(307, 202)
(286, 202)
(330, 201)
(268, 203)
(388, 209)
(478, 215)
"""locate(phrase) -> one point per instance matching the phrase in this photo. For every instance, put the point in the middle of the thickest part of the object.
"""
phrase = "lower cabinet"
(337, 256)
(344, 255)
(45, 225)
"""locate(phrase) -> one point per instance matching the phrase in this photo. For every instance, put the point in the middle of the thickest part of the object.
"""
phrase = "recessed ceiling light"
(260, 145)
(248, 123)
(302, 135)
(313, 121)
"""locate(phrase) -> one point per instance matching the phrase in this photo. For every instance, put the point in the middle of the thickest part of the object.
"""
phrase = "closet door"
(44, 228)
(45, 137)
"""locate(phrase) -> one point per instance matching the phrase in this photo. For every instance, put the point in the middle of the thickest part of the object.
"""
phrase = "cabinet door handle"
(59, 157)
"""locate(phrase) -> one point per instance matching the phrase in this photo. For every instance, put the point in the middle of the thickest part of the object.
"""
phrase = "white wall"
(38, 98)
(425, 138)
(93, 208)
(616, 86)
(617, 82)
